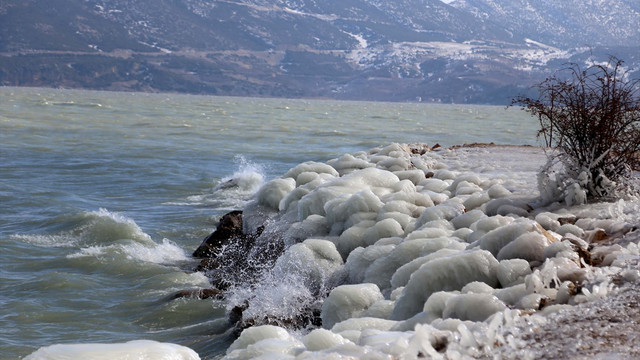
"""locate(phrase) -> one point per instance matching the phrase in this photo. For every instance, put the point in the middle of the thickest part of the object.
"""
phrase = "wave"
(89, 228)
(104, 234)
(231, 192)
(165, 253)
(70, 103)
(327, 133)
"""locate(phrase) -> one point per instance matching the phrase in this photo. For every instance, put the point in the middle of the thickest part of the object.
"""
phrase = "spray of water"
(245, 181)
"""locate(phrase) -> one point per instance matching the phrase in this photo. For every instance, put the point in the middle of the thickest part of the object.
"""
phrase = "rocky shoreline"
(569, 253)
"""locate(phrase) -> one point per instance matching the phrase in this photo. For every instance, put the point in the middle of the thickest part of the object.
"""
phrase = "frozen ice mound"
(137, 349)
(440, 253)
(265, 340)
(348, 301)
(449, 272)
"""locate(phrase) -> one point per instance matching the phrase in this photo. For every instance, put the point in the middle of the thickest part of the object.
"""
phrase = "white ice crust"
(438, 253)
(134, 350)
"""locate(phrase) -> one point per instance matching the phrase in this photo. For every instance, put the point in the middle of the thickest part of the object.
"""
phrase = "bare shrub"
(591, 119)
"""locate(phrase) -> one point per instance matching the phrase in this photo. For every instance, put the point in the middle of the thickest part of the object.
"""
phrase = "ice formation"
(440, 253)
(138, 349)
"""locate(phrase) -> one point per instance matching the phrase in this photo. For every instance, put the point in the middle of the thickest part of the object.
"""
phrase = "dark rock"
(567, 220)
(229, 227)
(419, 149)
(197, 294)
(585, 255)
(439, 342)
(208, 264)
(221, 279)
(231, 258)
(235, 315)
(210, 293)
(309, 318)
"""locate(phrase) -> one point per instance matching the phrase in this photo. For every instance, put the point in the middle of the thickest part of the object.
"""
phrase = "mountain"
(566, 23)
(469, 51)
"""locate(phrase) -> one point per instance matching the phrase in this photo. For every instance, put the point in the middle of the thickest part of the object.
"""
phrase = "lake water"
(104, 195)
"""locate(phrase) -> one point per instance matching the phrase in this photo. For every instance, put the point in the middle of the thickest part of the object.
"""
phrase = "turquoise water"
(103, 196)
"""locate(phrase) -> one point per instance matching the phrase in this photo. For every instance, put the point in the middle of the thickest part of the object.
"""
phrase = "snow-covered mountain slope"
(478, 51)
(567, 23)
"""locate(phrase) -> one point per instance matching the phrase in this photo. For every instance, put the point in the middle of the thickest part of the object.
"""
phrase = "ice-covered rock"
(513, 271)
(528, 246)
(465, 220)
(307, 168)
(363, 323)
(382, 269)
(265, 340)
(271, 193)
(447, 247)
(314, 225)
(314, 261)
(477, 287)
(348, 163)
(443, 211)
(348, 301)
(137, 349)
(436, 303)
(474, 307)
(445, 273)
(496, 239)
(437, 247)
(320, 339)
(381, 309)
(360, 260)
(511, 295)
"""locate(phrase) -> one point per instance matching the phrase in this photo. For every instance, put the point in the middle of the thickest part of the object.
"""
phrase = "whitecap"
(165, 253)
(94, 228)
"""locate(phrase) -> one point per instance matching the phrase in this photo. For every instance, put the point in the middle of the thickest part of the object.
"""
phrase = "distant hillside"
(566, 23)
(471, 51)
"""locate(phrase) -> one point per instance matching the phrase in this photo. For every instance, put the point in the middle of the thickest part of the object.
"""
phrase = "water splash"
(246, 180)
(233, 192)
(230, 192)
(290, 292)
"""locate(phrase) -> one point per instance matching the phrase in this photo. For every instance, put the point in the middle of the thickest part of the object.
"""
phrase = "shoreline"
(451, 234)
(475, 151)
